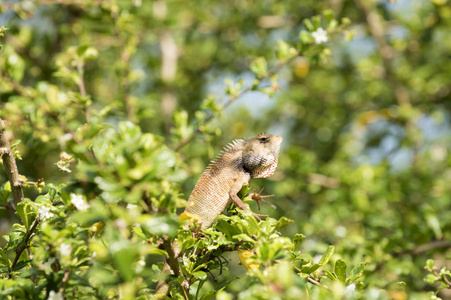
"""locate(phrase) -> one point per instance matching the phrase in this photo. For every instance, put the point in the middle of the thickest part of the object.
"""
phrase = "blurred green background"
(365, 163)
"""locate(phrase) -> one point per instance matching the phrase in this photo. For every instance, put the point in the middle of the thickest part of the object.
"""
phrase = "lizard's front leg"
(236, 187)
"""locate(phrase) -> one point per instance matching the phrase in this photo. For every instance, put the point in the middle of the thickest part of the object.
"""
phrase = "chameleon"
(219, 184)
(237, 164)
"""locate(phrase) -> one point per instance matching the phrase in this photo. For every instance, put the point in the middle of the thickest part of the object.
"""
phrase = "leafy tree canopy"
(112, 109)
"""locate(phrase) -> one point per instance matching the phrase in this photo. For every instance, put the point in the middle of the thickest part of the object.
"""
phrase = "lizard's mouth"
(278, 139)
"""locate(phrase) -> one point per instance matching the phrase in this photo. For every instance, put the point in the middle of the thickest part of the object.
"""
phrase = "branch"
(447, 282)
(20, 250)
(65, 279)
(171, 267)
(11, 168)
(231, 99)
(385, 50)
(317, 283)
(430, 246)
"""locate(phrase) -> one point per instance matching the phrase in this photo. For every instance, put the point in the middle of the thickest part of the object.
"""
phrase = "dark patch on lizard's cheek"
(251, 162)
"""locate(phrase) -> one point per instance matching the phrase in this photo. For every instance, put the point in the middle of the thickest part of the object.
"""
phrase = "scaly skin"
(237, 164)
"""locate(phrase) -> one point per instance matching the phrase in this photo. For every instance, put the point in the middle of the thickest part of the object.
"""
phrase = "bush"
(112, 110)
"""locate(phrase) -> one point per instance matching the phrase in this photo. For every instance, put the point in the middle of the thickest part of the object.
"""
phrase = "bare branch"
(385, 50)
(64, 281)
(430, 246)
(317, 283)
(10, 166)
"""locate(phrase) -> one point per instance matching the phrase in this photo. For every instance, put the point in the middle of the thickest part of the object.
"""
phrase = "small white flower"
(64, 166)
(79, 202)
(55, 296)
(351, 287)
(320, 36)
(64, 163)
(44, 213)
(350, 290)
(47, 266)
(65, 138)
(131, 206)
(65, 249)
(66, 156)
(94, 254)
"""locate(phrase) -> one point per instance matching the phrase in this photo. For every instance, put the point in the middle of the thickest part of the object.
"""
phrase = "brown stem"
(317, 283)
(385, 50)
(11, 168)
(430, 246)
(25, 245)
(64, 281)
(231, 99)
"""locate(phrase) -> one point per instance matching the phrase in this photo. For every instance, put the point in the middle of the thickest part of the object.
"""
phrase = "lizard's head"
(261, 155)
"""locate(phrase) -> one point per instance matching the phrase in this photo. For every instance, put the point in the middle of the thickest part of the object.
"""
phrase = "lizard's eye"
(264, 139)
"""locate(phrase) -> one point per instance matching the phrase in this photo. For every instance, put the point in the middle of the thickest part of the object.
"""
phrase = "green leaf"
(243, 237)
(244, 190)
(17, 142)
(305, 37)
(22, 264)
(124, 254)
(5, 193)
(4, 258)
(331, 275)
(200, 275)
(328, 15)
(161, 226)
(356, 273)
(326, 256)
(430, 264)
(139, 232)
(298, 239)
(259, 67)
(268, 90)
(283, 222)
(309, 25)
(430, 278)
(340, 270)
(26, 212)
(285, 51)
(52, 193)
(311, 269)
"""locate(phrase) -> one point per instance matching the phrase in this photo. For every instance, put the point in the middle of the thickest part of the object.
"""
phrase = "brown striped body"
(236, 165)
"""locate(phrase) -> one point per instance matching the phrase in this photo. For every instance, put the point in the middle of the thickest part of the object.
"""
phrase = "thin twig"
(385, 50)
(317, 283)
(446, 281)
(11, 168)
(231, 99)
(430, 246)
(64, 281)
(25, 245)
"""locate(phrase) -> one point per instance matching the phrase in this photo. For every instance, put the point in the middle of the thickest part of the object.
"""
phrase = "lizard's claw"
(257, 197)
(257, 216)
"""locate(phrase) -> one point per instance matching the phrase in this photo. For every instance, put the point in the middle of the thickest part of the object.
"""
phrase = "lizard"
(237, 164)
(219, 184)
